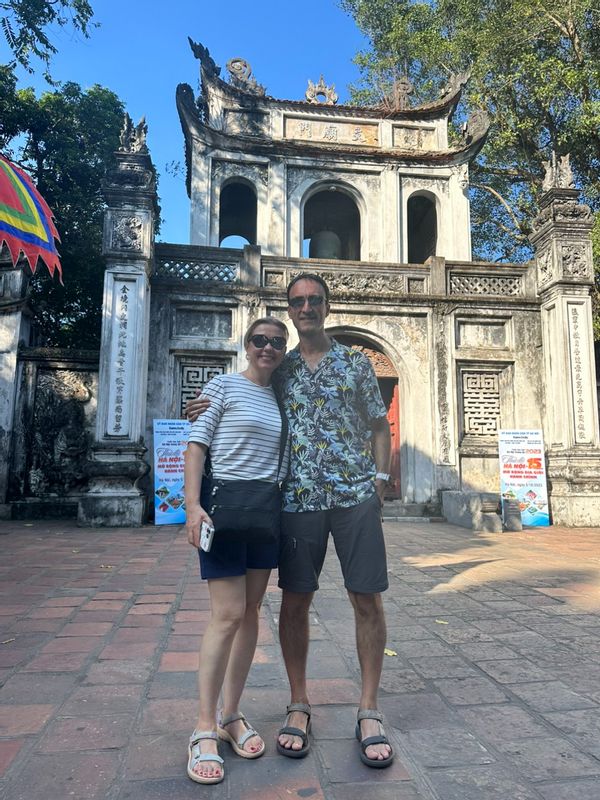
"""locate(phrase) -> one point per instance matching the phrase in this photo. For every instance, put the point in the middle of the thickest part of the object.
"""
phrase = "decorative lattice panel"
(194, 377)
(197, 270)
(481, 403)
(503, 285)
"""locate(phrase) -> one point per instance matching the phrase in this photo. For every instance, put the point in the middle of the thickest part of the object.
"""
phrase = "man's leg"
(370, 644)
(294, 638)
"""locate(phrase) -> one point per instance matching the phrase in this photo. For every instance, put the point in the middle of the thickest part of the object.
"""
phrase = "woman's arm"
(195, 515)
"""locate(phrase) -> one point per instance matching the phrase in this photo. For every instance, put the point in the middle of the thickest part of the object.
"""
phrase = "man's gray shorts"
(358, 539)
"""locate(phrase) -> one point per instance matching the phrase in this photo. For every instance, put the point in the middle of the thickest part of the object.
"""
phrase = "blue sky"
(141, 52)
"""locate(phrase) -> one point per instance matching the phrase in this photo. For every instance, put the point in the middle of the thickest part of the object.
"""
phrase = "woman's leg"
(242, 653)
(228, 603)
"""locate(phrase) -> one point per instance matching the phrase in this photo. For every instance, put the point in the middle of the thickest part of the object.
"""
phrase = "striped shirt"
(242, 427)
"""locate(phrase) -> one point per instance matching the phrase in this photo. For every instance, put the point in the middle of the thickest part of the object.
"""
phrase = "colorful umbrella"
(26, 224)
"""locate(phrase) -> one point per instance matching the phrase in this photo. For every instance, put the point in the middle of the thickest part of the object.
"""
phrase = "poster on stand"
(523, 474)
(170, 442)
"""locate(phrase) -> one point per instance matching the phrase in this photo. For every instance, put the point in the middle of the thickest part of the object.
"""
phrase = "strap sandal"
(238, 745)
(196, 756)
(290, 730)
(377, 763)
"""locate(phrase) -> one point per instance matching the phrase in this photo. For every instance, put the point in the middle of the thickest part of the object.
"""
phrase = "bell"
(325, 244)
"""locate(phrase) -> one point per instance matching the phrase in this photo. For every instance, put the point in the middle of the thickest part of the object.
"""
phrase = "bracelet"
(382, 476)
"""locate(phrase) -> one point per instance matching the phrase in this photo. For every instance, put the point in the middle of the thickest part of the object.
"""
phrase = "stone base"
(574, 491)
(473, 510)
(112, 511)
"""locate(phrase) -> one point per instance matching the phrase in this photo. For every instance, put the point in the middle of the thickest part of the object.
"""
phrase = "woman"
(243, 429)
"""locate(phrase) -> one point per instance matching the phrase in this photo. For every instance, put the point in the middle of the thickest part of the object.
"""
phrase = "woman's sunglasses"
(313, 300)
(260, 340)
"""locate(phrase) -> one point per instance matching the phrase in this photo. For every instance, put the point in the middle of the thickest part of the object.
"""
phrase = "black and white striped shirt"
(242, 427)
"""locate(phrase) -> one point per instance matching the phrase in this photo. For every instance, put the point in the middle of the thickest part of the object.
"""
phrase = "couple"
(339, 459)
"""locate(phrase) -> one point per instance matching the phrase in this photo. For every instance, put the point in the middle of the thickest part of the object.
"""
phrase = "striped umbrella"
(26, 222)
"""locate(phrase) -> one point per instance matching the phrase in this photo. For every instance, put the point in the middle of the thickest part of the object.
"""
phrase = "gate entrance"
(387, 378)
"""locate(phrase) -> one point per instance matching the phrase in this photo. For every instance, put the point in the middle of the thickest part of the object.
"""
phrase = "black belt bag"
(243, 511)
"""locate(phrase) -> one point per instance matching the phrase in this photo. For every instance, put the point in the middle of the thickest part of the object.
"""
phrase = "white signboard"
(170, 442)
(523, 474)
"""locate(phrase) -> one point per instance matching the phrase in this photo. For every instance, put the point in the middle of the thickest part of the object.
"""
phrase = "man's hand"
(380, 487)
(195, 407)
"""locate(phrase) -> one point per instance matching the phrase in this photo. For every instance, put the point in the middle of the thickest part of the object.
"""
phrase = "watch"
(382, 476)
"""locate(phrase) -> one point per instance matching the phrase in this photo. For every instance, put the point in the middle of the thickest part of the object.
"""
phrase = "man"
(338, 474)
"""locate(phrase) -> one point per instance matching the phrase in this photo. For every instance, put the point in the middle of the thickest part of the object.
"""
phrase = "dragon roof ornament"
(240, 76)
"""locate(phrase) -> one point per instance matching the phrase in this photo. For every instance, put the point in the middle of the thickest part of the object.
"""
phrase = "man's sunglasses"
(314, 300)
(260, 340)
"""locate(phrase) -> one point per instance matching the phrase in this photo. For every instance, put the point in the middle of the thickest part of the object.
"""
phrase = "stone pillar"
(565, 275)
(13, 283)
(114, 497)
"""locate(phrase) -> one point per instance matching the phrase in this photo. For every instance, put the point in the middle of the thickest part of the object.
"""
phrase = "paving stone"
(110, 672)
(582, 728)
(399, 681)
(446, 667)
(500, 723)
(451, 747)
(16, 720)
(57, 662)
(410, 712)
(37, 688)
(549, 758)
(342, 763)
(86, 733)
(9, 750)
(586, 789)
(480, 783)
(514, 670)
(89, 700)
(470, 691)
(66, 776)
(550, 696)
(386, 791)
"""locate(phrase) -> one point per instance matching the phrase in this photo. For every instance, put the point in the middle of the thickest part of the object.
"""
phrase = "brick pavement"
(492, 693)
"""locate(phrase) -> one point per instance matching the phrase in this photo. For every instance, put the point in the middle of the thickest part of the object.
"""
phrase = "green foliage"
(535, 67)
(66, 140)
(26, 24)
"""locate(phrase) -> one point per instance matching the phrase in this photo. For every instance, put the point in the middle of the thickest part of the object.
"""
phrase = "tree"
(66, 140)
(534, 66)
(25, 25)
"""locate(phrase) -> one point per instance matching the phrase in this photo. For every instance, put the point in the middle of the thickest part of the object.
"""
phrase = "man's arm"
(382, 451)
(196, 406)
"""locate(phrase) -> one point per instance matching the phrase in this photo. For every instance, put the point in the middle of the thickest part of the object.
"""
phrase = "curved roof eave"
(441, 107)
(195, 129)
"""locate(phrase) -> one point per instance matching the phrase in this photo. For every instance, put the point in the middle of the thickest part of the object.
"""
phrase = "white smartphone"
(206, 536)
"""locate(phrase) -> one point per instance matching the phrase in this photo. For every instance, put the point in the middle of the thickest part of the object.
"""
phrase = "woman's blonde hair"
(265, 321)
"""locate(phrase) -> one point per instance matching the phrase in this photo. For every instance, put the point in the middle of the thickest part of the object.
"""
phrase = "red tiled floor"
(9, 749)
(18, 720)
(179, 662)
(86, 733)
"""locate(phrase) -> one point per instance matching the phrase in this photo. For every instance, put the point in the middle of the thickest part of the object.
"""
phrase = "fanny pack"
(244, 511)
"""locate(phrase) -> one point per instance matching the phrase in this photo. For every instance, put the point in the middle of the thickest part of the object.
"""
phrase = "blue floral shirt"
(330, 412)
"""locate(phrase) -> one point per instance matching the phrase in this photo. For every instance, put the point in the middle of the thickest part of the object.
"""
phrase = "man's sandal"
(291, 731)
(378, 763)
(238, 746)
(196, 756)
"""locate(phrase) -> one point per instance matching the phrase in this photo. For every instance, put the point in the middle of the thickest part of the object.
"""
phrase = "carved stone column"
(115, 497)
(13, 283)
(561, 236)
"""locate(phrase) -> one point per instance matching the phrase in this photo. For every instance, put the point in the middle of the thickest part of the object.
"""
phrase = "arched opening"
(422, 228)
(387, 378)
(331, 226)
(237, 214)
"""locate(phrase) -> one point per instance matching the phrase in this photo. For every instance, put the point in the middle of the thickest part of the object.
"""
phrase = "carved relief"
(133, 137)
(462, 174)
(355, 282)
(510, 285)
(545, 271)
(572, 212)
(320, 93)
(127, 233)
(205, 59)
(192, 269)
(398, 98)
(558, 173)
(296, 175)
(381, 364)
(574, 260)
(255, 173)
(193, 378)
(476, 126)
(240, 76)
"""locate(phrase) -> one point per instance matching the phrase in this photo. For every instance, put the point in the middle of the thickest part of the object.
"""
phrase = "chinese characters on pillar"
(579, 373)
(123, 332)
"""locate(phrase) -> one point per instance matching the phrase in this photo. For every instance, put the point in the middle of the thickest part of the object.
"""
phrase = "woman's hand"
(194, 517)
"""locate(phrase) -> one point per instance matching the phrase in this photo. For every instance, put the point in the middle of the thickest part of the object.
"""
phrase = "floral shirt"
(330, 412)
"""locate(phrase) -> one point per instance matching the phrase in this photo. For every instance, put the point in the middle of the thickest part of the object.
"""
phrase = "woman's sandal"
(238, 746)
(195, 756)
(291, 731)
(378, 763)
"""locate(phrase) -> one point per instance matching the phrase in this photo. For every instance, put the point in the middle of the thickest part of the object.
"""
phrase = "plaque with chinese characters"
(414, 138)
(328, 131)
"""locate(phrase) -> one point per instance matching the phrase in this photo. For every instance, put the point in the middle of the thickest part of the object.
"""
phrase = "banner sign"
(523, 474)
(170, 442)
